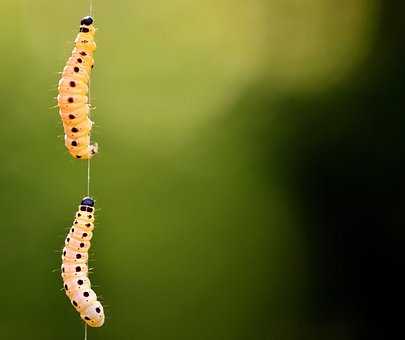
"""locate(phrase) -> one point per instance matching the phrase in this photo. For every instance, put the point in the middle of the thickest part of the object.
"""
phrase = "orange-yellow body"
(73, 88)
(74, 266)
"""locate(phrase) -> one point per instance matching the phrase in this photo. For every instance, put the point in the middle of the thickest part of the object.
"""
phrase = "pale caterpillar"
(75, 266)
(73, 89)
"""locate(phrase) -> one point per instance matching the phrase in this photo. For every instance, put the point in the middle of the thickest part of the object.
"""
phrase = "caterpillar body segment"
(74, 266)
(73, 88)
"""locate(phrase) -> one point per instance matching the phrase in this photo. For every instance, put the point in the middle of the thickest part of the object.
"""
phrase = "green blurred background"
(249, 179)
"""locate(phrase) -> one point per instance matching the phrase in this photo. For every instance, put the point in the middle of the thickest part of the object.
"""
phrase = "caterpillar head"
(86, 25)
(87, 21)
(87, 201)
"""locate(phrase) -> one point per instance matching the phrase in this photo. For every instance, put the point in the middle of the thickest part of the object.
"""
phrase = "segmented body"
(75, 266)
(73, 91)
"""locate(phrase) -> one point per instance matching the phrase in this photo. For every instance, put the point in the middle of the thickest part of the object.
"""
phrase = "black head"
(87, 201)
(86, 21)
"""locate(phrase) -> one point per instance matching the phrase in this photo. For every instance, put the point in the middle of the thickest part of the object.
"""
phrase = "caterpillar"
(75, 266)
(72, 97)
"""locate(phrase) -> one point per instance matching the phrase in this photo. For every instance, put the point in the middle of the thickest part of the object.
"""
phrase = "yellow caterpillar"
(72, 93)
(74, 266)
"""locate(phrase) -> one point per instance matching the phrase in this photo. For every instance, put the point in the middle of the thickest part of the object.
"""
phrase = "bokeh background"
(250, 179)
